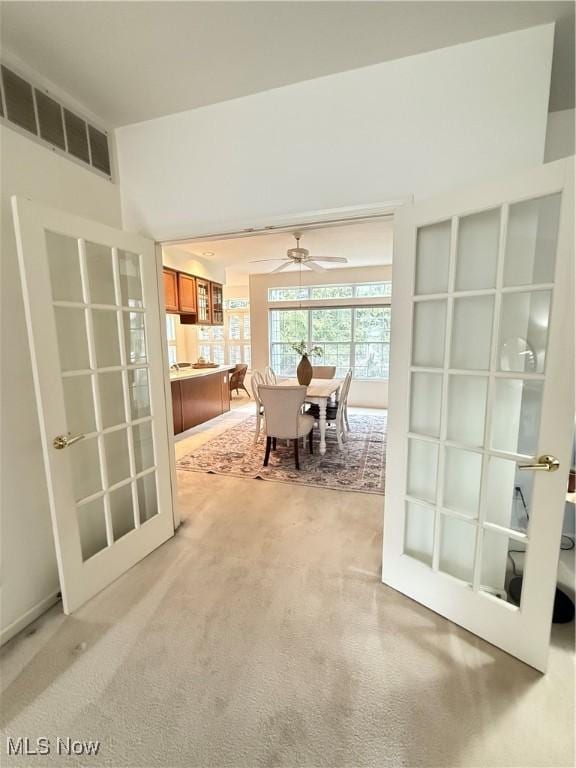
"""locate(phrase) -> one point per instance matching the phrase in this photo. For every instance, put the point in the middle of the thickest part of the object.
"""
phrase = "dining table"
(319, 391)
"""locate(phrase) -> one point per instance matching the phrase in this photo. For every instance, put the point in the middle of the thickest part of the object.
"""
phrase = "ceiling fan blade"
(335, 259)
(281, 267)
(314, 266)
(257, 261)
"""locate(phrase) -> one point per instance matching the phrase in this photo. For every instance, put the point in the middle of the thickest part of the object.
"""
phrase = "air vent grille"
(99, 150)
(38, 113)
(19, 101)
(76, 136)
(50, 120)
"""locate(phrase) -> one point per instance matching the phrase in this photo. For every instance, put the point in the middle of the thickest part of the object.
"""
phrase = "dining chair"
(257, 380)
(270, 376)
(323, 371)
(284, 417)
(336, 413)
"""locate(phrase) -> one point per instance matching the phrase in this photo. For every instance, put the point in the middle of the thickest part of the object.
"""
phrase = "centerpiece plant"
(304, 370)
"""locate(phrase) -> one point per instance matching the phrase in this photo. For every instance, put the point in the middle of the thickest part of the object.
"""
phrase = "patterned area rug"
(360, 466)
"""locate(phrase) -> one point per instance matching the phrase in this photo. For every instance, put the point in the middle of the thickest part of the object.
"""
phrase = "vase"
(304, 371)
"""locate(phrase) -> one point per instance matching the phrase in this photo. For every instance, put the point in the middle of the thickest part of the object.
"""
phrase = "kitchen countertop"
(192, 373)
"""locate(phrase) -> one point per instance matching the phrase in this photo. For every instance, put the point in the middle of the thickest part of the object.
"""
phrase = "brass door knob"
(545, 463)
(63, 441)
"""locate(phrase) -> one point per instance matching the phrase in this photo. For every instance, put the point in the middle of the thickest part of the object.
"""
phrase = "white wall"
(370, 394)
(29, 575)
(419, 125)
(560, 135)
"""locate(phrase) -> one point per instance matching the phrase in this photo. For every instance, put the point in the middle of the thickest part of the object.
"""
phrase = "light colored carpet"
(359, 465)
(261, 636)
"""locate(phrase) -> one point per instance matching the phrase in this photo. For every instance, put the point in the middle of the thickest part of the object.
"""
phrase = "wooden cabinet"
(196, 300)
(170, 290)
(186, 293)
(225, 377)
(204, 302)
(176, 407)
(217, 303)
(199, 399)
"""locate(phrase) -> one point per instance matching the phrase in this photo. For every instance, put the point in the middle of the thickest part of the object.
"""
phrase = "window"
(323, 292)
(171, 336)
(357, 337)
(230, 343)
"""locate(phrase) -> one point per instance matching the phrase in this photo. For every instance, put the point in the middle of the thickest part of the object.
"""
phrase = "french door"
(94, 327)
(482, 405)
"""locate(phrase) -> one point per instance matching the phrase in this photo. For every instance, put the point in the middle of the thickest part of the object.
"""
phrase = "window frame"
(224, 345)
(352, 304)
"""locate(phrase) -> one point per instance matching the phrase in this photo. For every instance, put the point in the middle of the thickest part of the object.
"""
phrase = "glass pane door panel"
(130, 279)
(143, 446)
(531, 241)
(79, 403)
(122, 511)
(462, 476)
(72, 339)
(422, 469)
(508, 494)
(467, 409)
(472, 333)
(100, 274)
(111, 399)
(85, 465)
(135, 337)
(429, 333)
(516, 416)
(147, 497)
(524, 331)
(419, 532)
(425, 403)
(477, 256)
(457, 544)
(433, 258)
(106, 341)
(117, 456)
(139, 393)
(64, 266)
(500, 557)
(92, 526)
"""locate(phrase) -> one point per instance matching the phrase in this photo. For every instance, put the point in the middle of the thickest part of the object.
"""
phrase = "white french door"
(94, 326)
(482, 384)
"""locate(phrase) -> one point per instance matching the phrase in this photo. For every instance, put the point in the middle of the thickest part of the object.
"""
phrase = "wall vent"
(50, 120)
(35, 111)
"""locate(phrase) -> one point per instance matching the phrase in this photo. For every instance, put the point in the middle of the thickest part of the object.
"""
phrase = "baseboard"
(17, 626)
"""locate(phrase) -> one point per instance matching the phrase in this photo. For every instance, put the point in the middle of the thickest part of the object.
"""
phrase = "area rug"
(359, 466)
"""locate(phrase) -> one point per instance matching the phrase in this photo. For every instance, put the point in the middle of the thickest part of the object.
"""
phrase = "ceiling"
(132, 61)
(364, 244)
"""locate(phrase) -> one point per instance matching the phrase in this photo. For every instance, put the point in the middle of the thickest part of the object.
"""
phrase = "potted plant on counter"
(304, 370)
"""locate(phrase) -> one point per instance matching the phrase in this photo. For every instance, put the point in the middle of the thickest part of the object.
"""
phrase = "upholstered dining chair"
(257, 380)
(323, 371)
(237, 378)
(284, 417)
(270, 376)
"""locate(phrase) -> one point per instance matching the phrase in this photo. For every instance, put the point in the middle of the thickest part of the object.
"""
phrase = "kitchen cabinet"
(176, 407)
(186, 293)
(204, 302)
(196, 300)
(170, 279)
(217, 303)
(199, 398)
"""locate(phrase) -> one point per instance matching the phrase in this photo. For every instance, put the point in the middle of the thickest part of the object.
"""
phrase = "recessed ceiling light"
(207, 253)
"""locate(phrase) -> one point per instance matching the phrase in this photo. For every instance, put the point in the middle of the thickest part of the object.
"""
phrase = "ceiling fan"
(302, 257)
